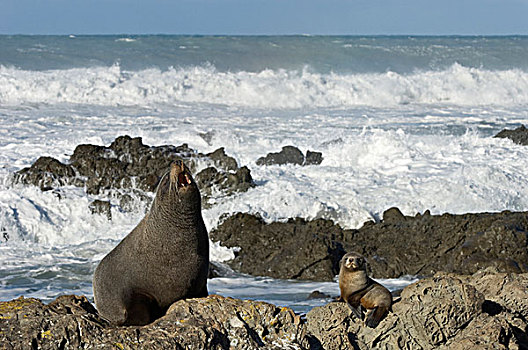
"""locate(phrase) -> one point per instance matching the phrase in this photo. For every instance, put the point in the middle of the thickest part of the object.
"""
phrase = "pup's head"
(353, 262)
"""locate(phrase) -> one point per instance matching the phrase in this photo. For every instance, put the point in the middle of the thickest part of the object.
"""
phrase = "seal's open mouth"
(183, 179)
(180, 175)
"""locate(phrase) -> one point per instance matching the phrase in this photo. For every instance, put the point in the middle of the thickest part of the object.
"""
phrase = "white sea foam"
(113, 86)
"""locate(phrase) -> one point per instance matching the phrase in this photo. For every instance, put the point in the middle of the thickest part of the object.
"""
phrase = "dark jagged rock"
(398, 245)
(210, 180)
(313, 158)
(487, 310)
(393, 215)
(288, 155)
(222, 160)
(291, 155)
(47, 172)
(218, 269)
(318, 295)
(129, 164)
(426, 244)
(101, 207)
(215, 322)
(295, 249)
(519, 135)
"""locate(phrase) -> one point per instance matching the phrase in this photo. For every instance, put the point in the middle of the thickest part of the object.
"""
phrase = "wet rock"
(396, 246)
(288, 155)
(487, 310)
(101, 207)
(393, 215)
(129, 164)
(294, 249)
(424, 245)
(215, 322)
(519, 135)
(222, 160)
(291, 155)
(313, 158)
(218, 269)
(318, 295)
(444, 312)
(47, 172)
(212, 181)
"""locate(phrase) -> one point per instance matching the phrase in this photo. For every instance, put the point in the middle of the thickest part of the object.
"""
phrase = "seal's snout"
(180, 174)
(353, 262)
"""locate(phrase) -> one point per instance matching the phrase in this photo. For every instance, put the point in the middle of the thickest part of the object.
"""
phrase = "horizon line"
(262, 35)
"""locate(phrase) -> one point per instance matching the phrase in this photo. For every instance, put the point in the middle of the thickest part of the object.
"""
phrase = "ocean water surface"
(400, 121)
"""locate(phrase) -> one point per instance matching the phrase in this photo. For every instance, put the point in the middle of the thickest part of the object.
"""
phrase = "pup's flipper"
(356, 311)
(374, 317)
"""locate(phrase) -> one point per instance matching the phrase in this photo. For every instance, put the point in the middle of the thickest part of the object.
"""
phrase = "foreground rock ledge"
(215, 322)
(485, 310)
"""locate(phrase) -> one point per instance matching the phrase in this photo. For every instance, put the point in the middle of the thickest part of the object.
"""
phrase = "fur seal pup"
(359, 290)
(164, 259)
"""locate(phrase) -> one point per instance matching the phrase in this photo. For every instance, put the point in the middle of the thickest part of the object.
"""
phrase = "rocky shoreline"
(484, 310)
(474, 267)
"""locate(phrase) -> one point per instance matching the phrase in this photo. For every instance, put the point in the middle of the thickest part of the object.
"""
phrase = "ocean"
(401, 121)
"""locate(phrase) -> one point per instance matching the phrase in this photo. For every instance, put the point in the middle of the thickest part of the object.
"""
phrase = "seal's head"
(178, 186)
(353, 262)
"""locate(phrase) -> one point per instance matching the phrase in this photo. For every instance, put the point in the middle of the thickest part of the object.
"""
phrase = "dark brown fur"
(361, 291)
(164, 259)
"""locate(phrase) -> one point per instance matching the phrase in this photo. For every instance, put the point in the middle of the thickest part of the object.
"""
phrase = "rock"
(47, 172)
(313, 158)
(222, 160)
(318, 295)
(486, 310)
(398, 245)
(519, 135)
(288, 155)
(444, 312)
(294, 249)
(393, 215)
(291, 155)
(101, 207)
(424, 245)
(211, 181)
(218, 269)
(129, 164)
(215, 322)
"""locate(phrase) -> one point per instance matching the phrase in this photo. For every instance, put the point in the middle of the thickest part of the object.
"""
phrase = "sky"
(270, 17)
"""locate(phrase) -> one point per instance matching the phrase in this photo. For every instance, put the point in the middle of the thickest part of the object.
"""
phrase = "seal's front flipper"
(203, 292)
(375, 316)
(356, 311)
(142, 309)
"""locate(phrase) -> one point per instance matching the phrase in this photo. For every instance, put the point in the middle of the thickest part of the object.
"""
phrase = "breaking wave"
(113, 86)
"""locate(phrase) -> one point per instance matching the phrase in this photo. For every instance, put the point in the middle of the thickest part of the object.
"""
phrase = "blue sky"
(354, 17)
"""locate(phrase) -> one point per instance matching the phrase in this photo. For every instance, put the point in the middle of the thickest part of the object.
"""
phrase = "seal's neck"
(359, 279)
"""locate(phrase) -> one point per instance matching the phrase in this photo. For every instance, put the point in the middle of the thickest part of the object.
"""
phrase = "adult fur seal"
(359, 290)
(165, 258)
